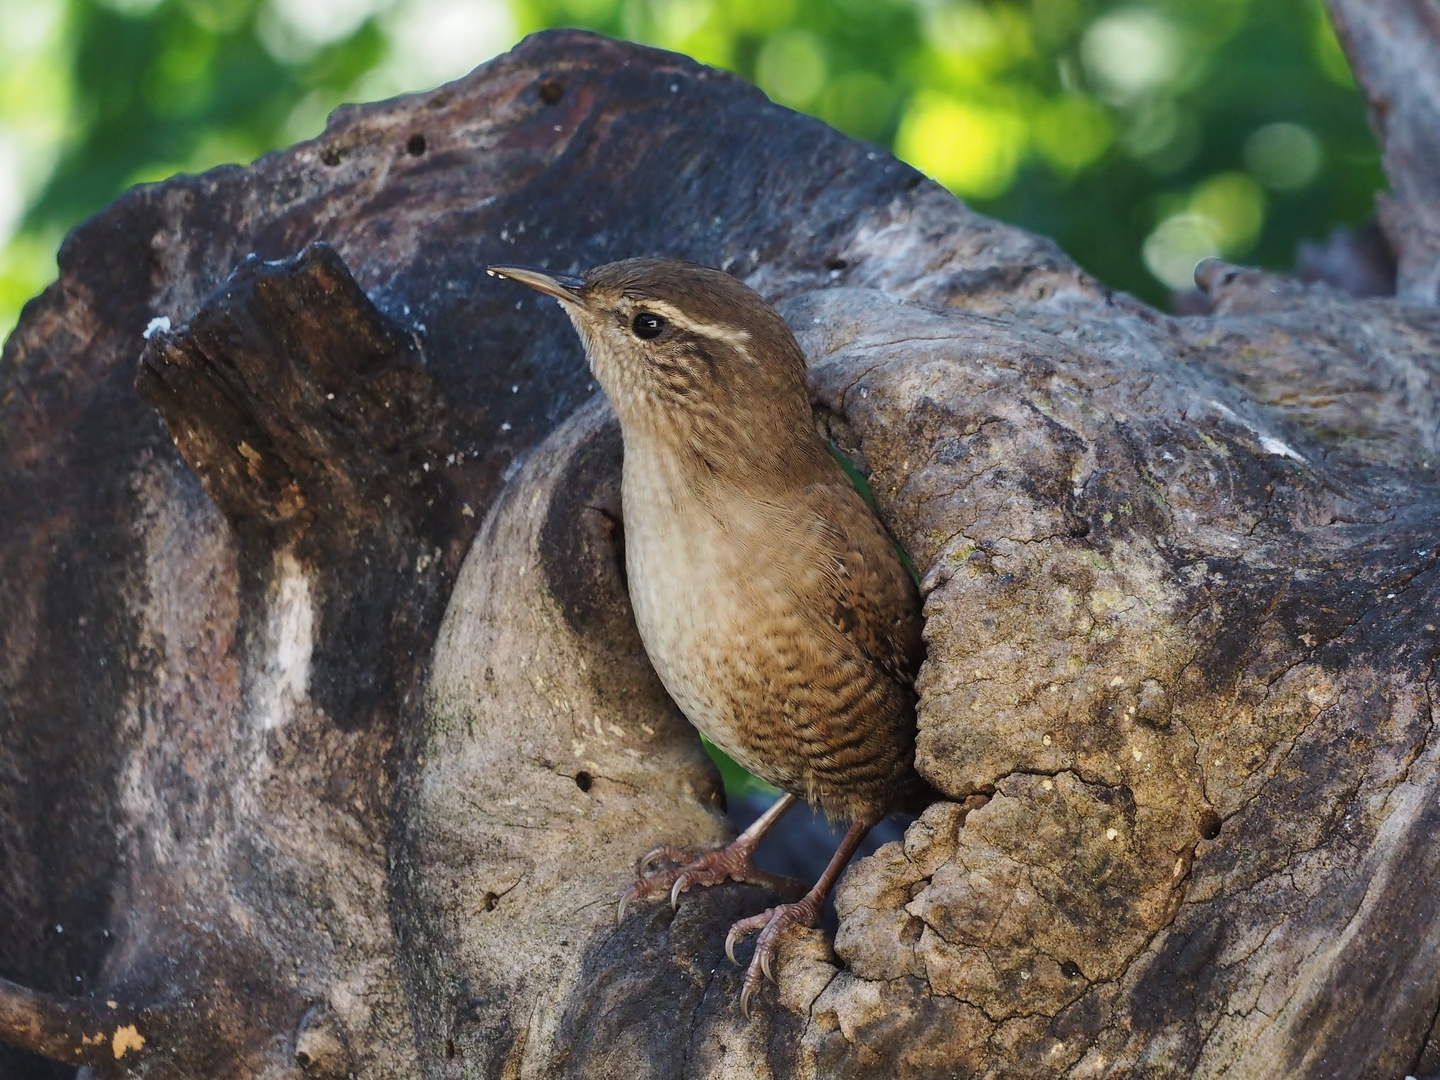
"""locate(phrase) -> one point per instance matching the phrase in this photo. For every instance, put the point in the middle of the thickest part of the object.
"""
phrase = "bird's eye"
(648, 326)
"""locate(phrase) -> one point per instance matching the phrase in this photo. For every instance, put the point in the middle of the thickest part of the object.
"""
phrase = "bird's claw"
(625, 898)
(749, 987)
(665, 851)
(771, 924)
(745, 992)
(648, 882)
(743, 928)
(732, 862)
(730, 940)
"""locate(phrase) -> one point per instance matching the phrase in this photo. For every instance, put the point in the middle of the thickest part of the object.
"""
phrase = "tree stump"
(329, 744)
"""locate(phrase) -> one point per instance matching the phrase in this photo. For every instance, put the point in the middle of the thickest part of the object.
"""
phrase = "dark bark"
(328, 741)
(68, 1029)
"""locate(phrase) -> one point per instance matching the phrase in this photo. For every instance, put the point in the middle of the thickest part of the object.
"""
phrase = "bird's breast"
(671, 553)
(696, 615)
(735, 599)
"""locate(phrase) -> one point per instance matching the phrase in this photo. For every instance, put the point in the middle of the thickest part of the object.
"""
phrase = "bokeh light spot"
(791, 67)
(963, 28)
(1130, 53)
(1235, 205)
(1161, 135)
(972, 42)
(434, 41)
(1223, 216)
(1073, 132)
(1177, 245)
(1284, 157)
(972, 149)
(318, 22)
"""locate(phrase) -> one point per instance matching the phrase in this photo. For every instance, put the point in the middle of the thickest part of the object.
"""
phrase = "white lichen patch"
(290, 637)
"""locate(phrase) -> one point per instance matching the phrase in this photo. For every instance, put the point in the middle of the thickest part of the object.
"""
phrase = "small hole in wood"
(332, 155)
(551, 91)
(836, 264)
(1070, 969)
(584, 781)
(416, 145)
(450, 1048)
(1209, 825)
(488, 901)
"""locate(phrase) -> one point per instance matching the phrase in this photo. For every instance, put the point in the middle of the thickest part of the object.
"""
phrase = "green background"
(1142, 135)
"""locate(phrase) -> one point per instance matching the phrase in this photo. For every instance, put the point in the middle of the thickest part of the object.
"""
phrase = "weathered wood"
(75, 1030)
(312, 794)
(1392, 46)
(203, 720)
(1181, 590)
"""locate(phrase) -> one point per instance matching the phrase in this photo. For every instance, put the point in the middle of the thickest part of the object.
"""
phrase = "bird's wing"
(860, 581)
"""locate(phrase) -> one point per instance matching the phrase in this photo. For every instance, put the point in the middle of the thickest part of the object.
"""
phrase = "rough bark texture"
(1393, 46)
(328, 742)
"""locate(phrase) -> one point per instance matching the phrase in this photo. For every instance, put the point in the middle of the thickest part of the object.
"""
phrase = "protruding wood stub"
(78, 1031)
(309, 418)
(291, 394)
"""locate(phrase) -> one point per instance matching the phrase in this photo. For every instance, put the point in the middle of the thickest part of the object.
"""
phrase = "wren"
(771, 601)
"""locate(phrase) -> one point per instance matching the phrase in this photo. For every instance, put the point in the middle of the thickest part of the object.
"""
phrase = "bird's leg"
(806, 912)
(733, 861)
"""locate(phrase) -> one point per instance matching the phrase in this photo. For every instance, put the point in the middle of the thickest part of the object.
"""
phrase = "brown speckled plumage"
(771, 600)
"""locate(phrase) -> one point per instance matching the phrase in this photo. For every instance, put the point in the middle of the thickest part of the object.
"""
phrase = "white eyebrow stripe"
(733, 336)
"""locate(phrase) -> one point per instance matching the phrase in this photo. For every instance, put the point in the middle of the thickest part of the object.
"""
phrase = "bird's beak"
(563, 287)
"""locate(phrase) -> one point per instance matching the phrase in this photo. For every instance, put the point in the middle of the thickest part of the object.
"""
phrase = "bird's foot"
(771, 924)
(733, 862)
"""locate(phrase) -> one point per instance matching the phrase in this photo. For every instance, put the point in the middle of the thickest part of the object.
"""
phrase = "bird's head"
(684, 351)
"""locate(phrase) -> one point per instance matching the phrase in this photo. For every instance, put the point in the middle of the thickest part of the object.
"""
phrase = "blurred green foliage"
(736, 780)
(1141, 134)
